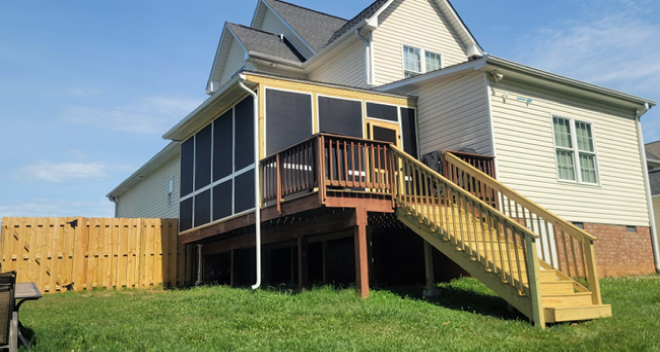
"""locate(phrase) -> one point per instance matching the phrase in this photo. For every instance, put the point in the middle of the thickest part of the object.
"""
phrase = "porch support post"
(303, 263)
(232, 269)
(361, 252)
(428, 264)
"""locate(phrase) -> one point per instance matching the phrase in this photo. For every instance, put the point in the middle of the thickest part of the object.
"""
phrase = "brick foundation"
(622, 253)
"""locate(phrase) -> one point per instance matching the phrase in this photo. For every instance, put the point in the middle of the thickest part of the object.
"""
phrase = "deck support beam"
(361, 252)
(303, 263)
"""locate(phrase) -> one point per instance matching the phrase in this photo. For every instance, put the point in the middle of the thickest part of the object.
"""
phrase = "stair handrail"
(587, 254)
(424, 191)
(522, 200)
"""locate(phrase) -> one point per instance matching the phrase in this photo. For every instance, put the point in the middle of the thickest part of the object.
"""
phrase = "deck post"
(361, 252)
(428, 265)
(232, 269)
(324, 250)
(303, 263)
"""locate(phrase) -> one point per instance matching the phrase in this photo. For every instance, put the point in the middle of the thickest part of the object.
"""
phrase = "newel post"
(320, 156)
(592, 272)
(534, 275)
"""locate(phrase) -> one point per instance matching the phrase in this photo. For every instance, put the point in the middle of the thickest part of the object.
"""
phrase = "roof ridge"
(252, 28)
(312, 10)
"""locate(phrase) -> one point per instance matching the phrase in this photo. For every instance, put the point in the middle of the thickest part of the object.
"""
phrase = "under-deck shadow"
(458, 298)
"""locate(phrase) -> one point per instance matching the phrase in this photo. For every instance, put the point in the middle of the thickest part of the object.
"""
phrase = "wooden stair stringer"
(467, 263)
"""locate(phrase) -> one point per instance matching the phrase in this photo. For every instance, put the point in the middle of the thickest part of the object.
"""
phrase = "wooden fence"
(95, 253)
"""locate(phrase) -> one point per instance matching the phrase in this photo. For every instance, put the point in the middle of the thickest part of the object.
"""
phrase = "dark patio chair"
(8, 318)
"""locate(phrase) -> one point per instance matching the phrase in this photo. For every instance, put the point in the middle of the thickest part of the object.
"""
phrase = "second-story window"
(417, 61)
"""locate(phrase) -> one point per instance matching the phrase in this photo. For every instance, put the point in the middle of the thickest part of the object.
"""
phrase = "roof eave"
(531, 71)
(155, 163)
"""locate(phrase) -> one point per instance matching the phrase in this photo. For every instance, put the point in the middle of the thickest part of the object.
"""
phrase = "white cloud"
(58, 208)
(60, 172)
(149, 116)
(616, 45)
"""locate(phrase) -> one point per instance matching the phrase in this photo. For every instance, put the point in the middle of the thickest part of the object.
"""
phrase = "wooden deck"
(355, 174)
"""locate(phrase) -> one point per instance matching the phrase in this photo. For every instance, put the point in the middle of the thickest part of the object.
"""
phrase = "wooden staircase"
(502, 239)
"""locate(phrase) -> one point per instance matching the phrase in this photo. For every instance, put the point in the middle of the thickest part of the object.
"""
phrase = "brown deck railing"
(562, 245)
(343, 164)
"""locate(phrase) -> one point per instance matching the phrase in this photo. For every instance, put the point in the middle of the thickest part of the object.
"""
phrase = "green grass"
(468, 317)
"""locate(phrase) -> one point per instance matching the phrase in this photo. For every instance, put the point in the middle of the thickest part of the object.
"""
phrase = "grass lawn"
(467, 317)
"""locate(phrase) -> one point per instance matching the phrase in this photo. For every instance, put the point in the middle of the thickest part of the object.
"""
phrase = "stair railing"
(455, 215)
(562, 245)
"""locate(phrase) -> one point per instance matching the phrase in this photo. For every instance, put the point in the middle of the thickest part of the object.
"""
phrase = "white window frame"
(422, 58)
(576, 151)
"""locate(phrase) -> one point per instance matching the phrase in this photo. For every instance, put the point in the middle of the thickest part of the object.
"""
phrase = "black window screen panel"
(340, 116)
(409, 131)
(384, 135)
(203, 158)
(288, 119)
(244, 193)
(223, 154)
(380, 111)
(187, 165)
(222, 200)
(186, 215)
(244, 133)
(203, 208)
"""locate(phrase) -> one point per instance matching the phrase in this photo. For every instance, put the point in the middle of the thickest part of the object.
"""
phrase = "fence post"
(592, 273)
(534, 273)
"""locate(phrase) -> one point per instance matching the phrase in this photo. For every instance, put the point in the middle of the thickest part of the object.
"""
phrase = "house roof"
(654, 149)
(511, 69)
(365, 14)
(265, 45)
(166, 154)
(654, 179)
(316, 28)
(652, 158)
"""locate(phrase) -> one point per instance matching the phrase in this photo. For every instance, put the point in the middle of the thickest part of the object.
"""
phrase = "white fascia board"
(156, 162)
(215, 60)
(291, 28)
(207, 103)
(466, 32)
(256, 13)
(468, 66)
(245, 50)
(614, 96)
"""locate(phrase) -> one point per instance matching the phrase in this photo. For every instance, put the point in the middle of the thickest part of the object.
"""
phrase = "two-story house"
(319, 122)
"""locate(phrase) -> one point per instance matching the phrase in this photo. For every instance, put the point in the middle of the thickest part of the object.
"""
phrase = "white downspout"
(257, 180)
(367, 56)
(647, 182)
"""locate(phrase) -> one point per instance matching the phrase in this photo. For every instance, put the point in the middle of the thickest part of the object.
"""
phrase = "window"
(417, 61)
(575, 150)
(170, 191)
(579, 225)
(631, 229)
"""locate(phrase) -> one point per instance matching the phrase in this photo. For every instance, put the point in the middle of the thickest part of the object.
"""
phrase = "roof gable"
(255, 43)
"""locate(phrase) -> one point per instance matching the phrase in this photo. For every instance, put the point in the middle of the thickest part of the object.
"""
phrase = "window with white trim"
(417, 61)
(575, 150)
(170, 192)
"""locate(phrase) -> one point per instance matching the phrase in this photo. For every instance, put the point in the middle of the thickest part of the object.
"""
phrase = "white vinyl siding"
(416, 23)
(526, 155)
(149, 198)
(347, 67)
(235, 61)
(272, 24)
(453, 114)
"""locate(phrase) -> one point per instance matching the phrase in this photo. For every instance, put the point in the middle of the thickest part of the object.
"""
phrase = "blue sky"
(87, 88)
